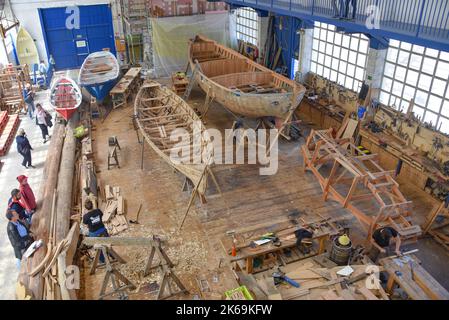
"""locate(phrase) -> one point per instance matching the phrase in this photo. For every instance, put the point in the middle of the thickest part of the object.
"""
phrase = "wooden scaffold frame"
(356, 180)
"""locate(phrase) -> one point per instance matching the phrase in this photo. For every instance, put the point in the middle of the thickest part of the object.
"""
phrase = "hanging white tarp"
(171, 36)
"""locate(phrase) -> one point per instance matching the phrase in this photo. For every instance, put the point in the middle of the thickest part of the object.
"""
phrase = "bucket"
(340, 254)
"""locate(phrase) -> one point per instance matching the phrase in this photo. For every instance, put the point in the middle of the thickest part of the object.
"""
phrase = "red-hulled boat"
(65, 97)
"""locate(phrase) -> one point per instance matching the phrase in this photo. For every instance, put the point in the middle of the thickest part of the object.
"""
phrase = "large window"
(247, 25)
(415, 72)
(339, 57)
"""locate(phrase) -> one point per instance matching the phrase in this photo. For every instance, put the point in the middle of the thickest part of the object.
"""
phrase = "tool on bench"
(137, 216)
(280, 277)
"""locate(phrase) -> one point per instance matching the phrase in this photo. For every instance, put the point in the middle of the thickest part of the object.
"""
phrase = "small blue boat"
(99, 74)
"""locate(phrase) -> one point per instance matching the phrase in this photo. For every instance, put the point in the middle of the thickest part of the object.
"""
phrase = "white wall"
(26, 12)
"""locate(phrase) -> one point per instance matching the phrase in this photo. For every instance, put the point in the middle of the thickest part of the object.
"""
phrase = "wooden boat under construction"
(240, 84)
(158, 113)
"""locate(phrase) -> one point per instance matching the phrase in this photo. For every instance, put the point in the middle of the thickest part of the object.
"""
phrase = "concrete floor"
(11, 169)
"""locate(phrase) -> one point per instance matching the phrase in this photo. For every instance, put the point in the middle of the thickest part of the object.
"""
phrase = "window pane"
(444, 125)
(352, 56)
(421, 98)
(403, 58)
(429, 65)
(389, 69)
(438, 87)
(415, 61)
(409, 93)
(397, 88)
(424, 82)
(412, 77)
(434, 103)
(386, 84)
(445, 109)
(361, 60)
(400, 73)
(430, 117)
(419, 112)
(442, 70)
(384, 97)
(392, 54)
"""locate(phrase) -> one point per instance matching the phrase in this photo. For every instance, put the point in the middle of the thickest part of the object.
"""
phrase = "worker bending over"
(94, 221)
(382, 238)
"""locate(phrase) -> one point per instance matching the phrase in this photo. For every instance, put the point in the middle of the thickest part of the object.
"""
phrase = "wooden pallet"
(8, 134)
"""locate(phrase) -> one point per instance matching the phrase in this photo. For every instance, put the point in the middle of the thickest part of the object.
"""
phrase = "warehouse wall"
(26, 12)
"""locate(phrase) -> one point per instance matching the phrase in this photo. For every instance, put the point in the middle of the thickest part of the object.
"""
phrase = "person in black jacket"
(18, 234)
(24, 148)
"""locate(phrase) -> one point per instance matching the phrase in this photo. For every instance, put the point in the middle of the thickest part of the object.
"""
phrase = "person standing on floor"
(15, 203)
(28, 96)
(27, 198)
(94, 221)
(43, 120)
(24, 148)
(18, 234)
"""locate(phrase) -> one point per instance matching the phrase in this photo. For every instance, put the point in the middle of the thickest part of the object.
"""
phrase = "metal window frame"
(245, 17)
(416, 87)
(356, 83)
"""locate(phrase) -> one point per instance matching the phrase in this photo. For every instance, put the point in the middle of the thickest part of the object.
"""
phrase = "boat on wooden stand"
(65, 97)
(99, 73)
(159, 113)
(241, 85)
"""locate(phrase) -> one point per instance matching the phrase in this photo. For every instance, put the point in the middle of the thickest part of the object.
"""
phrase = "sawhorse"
(120, 284)
(112, 152)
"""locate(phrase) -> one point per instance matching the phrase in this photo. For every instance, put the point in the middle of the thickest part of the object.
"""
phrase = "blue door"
(70, 47)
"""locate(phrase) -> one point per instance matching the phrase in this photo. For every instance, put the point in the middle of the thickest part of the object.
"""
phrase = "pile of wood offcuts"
(114, 211)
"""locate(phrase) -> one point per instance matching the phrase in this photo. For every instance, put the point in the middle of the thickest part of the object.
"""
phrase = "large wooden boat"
(65, 97)
(240, 84)
(159, 112)
(99, 73)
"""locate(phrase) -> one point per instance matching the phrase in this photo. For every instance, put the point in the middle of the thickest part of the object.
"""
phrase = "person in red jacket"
(28, 200)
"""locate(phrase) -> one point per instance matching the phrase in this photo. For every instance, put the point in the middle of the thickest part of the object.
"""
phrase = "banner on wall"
(171, 36)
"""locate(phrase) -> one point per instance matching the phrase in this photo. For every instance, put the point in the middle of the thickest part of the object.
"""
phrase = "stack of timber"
(43, 273)
(356, 180)
(159, 112)
(316, 282)
(240, 84)
(114, 211)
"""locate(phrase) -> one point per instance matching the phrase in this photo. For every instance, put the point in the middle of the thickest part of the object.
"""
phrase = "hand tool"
(280, 276)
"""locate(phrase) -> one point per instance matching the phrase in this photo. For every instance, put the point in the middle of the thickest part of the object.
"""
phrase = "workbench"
(247, 254)
(408, 274)
(127, 85)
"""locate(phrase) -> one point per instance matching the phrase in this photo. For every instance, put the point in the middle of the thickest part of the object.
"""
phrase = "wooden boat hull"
(99, 73)
(26, 48)
(65, 97)
(241, 85)
(151, 130)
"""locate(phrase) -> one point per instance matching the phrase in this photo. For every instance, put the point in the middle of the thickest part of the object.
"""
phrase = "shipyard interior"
(235, 150)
